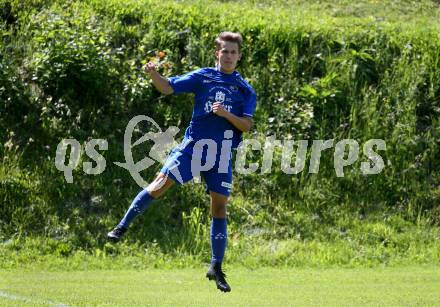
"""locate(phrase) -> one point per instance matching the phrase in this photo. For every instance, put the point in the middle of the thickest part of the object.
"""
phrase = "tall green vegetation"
(72, 69)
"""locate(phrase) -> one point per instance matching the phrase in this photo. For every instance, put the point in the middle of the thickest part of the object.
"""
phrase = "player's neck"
(220, 69)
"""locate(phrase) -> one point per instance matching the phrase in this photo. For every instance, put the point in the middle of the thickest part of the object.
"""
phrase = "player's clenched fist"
(149, 67)
(218, 109)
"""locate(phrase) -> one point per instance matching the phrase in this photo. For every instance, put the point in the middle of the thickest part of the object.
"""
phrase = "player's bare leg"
(159, 185)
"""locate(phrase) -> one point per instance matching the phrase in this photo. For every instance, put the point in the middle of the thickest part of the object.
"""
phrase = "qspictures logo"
(346, 152)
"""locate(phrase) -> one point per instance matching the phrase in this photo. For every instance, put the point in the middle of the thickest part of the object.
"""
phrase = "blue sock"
(218, 239)
(139, 204)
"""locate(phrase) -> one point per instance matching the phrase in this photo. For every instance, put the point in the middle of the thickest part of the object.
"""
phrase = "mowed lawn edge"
(384, 286)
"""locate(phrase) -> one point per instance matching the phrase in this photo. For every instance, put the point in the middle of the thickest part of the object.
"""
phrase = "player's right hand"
(149, 67)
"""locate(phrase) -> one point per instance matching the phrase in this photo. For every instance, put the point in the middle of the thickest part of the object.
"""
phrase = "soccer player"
(224, 106)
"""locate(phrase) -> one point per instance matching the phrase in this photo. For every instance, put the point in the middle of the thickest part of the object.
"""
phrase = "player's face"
(228, 56)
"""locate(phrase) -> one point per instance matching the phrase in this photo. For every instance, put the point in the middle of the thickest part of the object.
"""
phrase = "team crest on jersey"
(220, 96)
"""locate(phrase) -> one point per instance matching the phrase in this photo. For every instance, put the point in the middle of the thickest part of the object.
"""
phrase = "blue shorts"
(180, 167)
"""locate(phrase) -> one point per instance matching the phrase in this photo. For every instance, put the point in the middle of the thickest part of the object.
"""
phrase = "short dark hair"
(233, 37)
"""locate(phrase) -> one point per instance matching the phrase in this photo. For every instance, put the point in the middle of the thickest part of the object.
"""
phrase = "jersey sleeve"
(250, 105)
(187, 83)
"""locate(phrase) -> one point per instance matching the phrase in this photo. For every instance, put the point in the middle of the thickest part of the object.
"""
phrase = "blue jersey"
(211, 85)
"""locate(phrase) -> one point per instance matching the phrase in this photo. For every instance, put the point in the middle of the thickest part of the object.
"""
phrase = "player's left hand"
(218, 109)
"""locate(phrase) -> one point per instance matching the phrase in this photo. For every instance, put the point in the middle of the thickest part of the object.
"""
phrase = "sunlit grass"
(322, 69)
(414, 286)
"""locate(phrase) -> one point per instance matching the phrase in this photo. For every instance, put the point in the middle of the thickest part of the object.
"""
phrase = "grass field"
(398, 286)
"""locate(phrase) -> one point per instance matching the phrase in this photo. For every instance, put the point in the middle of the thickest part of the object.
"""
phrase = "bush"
(73, 69)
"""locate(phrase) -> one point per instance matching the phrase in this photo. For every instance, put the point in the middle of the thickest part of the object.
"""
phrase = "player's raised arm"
(160, 82)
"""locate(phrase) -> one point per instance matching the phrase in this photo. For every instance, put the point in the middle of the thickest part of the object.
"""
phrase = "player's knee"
(218, 209)
(159, 185)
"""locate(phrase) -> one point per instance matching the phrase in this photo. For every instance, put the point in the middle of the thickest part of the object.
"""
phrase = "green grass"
(344, 11)
(322, 69)
(400, 286)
